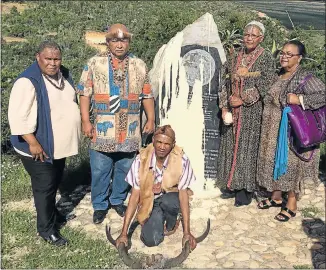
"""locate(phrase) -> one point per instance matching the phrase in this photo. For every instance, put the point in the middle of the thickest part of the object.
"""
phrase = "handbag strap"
(291, 145)
(304, 81)
(301, 84)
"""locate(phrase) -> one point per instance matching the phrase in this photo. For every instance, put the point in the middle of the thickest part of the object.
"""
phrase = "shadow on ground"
(315, 228)
(74, 187)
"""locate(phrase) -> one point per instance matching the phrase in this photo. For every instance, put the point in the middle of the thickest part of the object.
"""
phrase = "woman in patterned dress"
(286, 91)
(247, 76)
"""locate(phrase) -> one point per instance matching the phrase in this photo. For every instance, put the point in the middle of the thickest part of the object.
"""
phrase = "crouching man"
(160, 177)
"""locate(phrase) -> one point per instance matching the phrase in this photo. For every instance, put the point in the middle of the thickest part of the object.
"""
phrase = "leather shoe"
(56, 239)
(99, 216)
(120, 209)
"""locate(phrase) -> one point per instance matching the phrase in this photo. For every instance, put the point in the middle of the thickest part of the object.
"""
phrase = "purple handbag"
(308, 127)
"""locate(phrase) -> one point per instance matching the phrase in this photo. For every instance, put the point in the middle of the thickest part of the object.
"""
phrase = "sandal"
(266, 205)
(285, 217)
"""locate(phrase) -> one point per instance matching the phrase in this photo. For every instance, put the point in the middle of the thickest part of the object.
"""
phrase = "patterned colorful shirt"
(115, 107)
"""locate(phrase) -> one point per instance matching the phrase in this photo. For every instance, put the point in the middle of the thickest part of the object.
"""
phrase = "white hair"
(257, 24)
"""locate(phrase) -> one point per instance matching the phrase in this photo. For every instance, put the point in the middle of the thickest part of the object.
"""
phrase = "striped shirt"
(186, 179)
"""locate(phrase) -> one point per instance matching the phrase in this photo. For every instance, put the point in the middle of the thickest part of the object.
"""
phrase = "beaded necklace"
(247, 58)
(120, 73)
(60, 87)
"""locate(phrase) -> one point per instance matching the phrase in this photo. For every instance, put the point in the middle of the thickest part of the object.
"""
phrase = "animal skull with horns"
(155, 260)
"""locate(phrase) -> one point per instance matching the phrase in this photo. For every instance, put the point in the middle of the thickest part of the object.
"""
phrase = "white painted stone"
(180, 115)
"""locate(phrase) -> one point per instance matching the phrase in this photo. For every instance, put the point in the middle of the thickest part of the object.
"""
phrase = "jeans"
(45, 178)
(105, 166)
(166, 208)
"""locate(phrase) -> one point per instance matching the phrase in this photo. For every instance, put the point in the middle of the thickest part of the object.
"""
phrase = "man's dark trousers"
(166, 208)
(45, 178)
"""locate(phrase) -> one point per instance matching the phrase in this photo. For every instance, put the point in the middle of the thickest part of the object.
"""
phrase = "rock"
(286, 250)
(247, 241)
(228, 264)
(316, 246)
(290, 225)
(316, 200)
(320, 257)
(322, 265)
(258, 248)
(241, 215)
(237, 244)
(74, 223)
(236, 233)
(90, 228)
(222, 254)
(224, 208)
(321, 187)
(317, 225)
(290, 243)
(271, 242)
(298, 236)
(272, 265)
(240, 256)
(271, 224)
(291, 259)
(219, 243)
(240, 225)
(253, 211)
(254, 264)
(307, 191)
(185, 57)
(305, 197)
(320, 205)
(211, 265)
(79, 212)
(268, 256)
(226, 228)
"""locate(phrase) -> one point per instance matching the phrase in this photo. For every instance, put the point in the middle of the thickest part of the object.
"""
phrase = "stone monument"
(185, 79)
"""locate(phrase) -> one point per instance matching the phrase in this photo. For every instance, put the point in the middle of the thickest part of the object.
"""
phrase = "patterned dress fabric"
(238, 151)
(314, 96)
(115, 105)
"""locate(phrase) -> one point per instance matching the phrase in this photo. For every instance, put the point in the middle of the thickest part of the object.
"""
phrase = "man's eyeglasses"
(288, 54)
(251, 35)
(123, 40)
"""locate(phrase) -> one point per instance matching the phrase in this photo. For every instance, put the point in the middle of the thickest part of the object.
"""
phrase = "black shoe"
(62, 220)
(99, 216)
(56, 239)
(227, 195)
(120, 209)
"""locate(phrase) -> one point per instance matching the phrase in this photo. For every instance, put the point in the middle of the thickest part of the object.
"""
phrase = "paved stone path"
(243, 237)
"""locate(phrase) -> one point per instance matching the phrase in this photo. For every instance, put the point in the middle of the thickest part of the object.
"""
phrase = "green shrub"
(153, 23)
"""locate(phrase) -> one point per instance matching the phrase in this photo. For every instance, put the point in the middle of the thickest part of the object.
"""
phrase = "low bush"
(153, 24)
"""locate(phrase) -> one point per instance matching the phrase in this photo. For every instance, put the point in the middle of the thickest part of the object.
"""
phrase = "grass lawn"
(22, 248)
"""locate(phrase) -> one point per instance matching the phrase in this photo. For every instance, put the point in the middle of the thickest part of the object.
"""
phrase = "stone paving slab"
(240, 237)
(243, 237)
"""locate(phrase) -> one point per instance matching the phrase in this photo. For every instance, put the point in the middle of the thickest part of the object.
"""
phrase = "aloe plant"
(230, 39)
